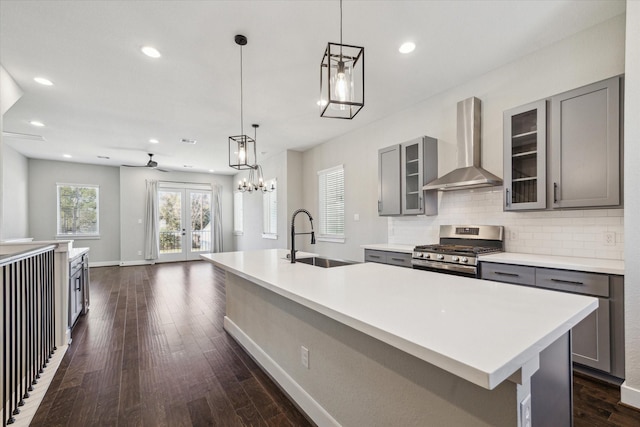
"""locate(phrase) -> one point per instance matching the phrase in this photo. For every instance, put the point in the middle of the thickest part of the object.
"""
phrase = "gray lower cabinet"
(598, 341)
(78, 287)
(402, 171)
(385, 257)
(585, 146)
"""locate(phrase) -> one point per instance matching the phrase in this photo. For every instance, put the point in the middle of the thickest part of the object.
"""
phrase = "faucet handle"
(313, 238)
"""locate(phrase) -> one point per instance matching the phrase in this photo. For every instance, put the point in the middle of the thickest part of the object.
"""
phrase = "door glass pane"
(200, 221)
(524, 157)
(170, 221)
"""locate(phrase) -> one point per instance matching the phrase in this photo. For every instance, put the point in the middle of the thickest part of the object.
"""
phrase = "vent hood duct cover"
(469, 173)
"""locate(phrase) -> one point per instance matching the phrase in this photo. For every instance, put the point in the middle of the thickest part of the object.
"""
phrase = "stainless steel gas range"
(459, 248)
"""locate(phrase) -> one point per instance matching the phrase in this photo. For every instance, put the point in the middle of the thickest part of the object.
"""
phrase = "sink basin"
(325, 262)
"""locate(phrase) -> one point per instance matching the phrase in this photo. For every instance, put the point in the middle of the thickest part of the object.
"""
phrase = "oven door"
(445, 267)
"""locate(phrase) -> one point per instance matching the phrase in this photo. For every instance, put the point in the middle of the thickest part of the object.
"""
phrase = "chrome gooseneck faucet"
(293, 233)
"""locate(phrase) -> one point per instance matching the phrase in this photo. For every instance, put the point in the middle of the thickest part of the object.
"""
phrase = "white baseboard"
(303, 399)
(104, 263)
(130, 263)
(629, 395)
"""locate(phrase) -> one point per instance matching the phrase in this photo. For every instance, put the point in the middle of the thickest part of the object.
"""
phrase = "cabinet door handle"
(506, 200)
(78, 284)
(567, 282)
(374, 256)
(398, 259)
(555, 192)
(501, 273)
(379, 205)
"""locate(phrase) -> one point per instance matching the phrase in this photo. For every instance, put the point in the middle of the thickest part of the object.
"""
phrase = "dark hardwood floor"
(152, 352)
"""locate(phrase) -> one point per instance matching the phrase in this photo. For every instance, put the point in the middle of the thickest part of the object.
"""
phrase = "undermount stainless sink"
(325, 262)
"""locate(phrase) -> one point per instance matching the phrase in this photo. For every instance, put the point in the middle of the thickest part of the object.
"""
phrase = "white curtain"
(151, 227)
(217, 219)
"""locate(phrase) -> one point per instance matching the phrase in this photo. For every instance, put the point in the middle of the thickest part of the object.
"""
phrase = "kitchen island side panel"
(358, 379)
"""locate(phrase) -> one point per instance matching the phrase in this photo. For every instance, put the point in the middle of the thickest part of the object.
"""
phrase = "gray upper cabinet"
(525, 142)
(389, 181)
(585, 146)
(402, 171)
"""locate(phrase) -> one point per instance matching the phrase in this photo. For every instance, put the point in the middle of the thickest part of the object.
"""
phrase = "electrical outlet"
(304, 356)
(139, 252)
(609, 238)
(356, 217)
(525, 411)
(513, 235)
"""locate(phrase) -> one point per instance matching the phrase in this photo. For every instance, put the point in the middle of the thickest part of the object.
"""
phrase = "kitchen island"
(372, 344)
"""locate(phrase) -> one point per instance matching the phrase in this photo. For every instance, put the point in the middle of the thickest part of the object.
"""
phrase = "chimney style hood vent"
(469, 173)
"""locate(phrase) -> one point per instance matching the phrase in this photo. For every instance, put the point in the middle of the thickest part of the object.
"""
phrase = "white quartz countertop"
(390, 247)
(593, 265)
(76, 252)
(479, 330)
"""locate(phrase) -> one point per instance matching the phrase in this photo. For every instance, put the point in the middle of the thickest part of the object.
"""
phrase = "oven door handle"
(469, 269)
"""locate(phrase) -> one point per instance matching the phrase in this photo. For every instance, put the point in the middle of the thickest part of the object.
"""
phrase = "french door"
(184, 223)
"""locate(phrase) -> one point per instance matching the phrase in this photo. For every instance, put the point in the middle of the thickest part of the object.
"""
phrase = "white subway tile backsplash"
(568, 233)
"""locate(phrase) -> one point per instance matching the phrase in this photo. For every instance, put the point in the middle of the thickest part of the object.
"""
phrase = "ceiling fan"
(150, 164)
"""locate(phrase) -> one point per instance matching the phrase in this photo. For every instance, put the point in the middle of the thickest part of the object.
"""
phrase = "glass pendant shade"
(341, 81)
(242, 152)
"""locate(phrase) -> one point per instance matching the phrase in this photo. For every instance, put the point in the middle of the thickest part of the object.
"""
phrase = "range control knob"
(427, 256)
(454, 258)
(464, 259)
(440, 256)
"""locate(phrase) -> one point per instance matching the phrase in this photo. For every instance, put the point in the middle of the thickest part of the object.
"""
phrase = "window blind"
(237, 213)
(331, 203)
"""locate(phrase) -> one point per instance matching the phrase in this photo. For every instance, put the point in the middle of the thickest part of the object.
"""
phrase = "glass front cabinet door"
(525, 157)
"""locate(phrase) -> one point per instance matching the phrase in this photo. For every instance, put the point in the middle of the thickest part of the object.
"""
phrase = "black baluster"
(13, 410)
(19, 332)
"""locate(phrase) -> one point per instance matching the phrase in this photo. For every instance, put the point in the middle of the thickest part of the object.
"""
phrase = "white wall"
(589, 56)
(631, 387)
(285, 167)
(132, 207)
(43, 177)
(15, 182)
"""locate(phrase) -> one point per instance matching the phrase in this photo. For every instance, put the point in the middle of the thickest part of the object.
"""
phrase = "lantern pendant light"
(341, 79)
(242, 148)
(256, 177)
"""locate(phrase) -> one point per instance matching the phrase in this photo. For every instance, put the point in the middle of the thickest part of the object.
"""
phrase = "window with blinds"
(270, 215)
(237, 213)
(331, 204)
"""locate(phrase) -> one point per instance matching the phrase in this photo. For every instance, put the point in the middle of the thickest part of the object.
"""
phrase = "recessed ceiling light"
(36, 123)
(188, 166)
(154, 141)
(151, 52)
(66, 156)
(211, 170)
(407, 47)
(104, 157)
(43, 81)
(188, 141)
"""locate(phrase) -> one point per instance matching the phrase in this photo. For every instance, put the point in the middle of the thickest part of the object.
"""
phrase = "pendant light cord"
(241, 109)
(340, 30)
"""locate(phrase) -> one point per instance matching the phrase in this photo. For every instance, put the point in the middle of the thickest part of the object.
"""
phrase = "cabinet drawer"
(573, 281)
(398, 258)
(375, 256)
(517, 274)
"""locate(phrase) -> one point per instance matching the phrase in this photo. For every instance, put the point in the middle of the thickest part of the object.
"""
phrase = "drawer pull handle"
(374, 256)
(500, 273)
(568, 282)
(398, 259)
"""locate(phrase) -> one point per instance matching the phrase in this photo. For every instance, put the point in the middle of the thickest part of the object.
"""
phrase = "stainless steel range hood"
(469, 173)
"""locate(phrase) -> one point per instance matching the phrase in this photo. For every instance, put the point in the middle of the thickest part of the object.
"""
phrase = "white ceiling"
(109, 99)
